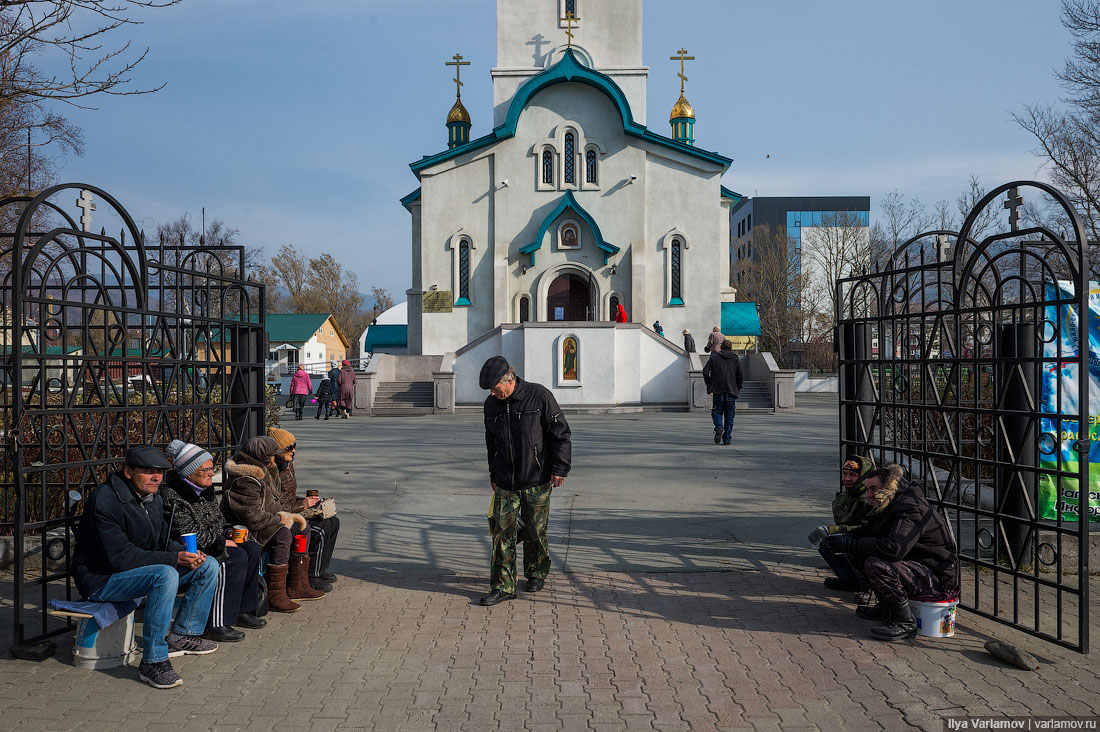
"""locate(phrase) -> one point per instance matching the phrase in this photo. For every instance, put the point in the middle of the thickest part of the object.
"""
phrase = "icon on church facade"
(569, 359)
(569, 238)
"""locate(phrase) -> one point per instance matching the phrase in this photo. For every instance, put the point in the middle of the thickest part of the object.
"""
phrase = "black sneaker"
(328, 576)
(717, 437)
(190, 645)
(159, 675)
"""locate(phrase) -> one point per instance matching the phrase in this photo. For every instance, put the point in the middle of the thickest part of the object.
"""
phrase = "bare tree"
(383, 301)
(902, 220)
(290, 269)
(772, 279)
(965, 203)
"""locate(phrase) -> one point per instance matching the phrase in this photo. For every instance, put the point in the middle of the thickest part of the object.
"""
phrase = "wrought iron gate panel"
(946, 354)
(108, 342)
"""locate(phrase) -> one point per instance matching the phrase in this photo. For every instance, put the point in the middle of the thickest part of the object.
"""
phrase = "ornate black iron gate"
(968, 363)
(108, 342)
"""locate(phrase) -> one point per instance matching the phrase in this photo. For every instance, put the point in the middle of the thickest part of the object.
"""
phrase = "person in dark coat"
(689, 342)
(724, 377)
(528, 443)
(192, 507)
(334, 377)
(658, 329)
(849, 512)
(324, 398)
(905, 549)
(346, 382)
(123, 552)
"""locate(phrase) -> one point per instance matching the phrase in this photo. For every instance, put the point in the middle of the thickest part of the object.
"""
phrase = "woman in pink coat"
(300, 387)
(346, 380)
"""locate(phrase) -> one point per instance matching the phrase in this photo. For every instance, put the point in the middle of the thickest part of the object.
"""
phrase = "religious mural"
(569, 359)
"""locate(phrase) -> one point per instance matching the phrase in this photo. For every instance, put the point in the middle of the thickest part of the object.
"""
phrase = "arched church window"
(613, 305)
(547, 167)
(677, 252)
(570, 158)
(464, 271)
(590, 167)
(524, 309)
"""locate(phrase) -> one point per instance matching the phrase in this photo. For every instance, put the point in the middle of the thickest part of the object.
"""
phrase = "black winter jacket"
(187, 512)
(909, 528)
(119, 531)
(527, 438)
(723, 374)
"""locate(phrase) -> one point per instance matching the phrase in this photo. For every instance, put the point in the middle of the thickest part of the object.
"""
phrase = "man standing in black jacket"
(527, 439)
(724, 377)
(123, 552)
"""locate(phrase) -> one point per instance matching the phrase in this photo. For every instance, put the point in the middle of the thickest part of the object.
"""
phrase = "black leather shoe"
(717, 436)
(223, 634)
(248, 620)
(534, 584)
(319, 584)
(496, 596)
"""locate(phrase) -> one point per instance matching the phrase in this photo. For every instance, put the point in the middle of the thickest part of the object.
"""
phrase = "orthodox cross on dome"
(1015, 200)
(458, 63)
(569, 20)
(85, 204)
(681, 57)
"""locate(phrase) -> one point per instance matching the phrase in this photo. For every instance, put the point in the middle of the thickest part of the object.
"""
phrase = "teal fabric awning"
(386, 336)
(740, 319)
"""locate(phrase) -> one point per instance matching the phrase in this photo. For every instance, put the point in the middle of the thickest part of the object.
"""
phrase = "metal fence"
(957, 360)
(108, 342)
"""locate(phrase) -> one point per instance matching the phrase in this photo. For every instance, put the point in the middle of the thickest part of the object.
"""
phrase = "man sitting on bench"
(123, 552)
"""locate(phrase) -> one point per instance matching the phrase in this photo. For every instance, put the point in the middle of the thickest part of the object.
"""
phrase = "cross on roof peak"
(569, 19)
(681, 56)
(458, 63)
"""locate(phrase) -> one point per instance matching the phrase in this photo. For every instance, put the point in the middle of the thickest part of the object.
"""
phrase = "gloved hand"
(818, 534)
(841, 543)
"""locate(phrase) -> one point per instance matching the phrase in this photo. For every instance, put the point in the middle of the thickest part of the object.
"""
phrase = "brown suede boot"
(297, 587)
(277, 598)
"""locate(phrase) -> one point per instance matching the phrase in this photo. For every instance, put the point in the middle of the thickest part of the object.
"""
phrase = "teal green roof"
(292, 327)
(386, 336)
(568, 69)
(732, 195)
(568, 202)
(740, 319)
(414, 196)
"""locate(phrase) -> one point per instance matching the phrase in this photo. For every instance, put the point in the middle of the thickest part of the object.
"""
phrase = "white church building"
(526, 240)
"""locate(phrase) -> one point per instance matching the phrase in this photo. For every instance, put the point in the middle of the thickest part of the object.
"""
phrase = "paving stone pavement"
(676, 603)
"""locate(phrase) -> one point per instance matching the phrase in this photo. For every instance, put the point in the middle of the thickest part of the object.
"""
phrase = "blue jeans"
(158, 584)
(842, 566)
(724, 410)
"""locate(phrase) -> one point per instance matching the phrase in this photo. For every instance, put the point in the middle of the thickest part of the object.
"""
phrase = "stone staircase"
(404, 399)
(755, 397)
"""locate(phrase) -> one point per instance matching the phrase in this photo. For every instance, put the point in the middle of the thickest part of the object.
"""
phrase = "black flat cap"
(493, 371)
(147, 456)
(262, 448)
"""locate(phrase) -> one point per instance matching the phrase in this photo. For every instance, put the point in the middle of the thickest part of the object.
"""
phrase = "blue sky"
(295, 122)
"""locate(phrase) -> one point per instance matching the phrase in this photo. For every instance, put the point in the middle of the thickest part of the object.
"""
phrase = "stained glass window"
(570, 155)
(464, 269)
(590, 166)
(548, 167)
(677, 245)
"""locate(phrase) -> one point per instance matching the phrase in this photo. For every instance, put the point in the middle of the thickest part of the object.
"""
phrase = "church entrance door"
(569, 298)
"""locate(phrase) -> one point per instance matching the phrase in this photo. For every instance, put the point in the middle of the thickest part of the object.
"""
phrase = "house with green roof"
(312, 339)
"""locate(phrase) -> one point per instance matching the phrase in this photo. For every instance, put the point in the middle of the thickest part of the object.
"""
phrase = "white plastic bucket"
(935, 619)
(98, 648)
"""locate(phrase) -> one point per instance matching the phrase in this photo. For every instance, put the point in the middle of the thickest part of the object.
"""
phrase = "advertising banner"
(1056, 443)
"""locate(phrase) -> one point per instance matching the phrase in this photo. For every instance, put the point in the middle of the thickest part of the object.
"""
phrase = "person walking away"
(620, 315)
(301, 386)
(724, 377)
(714, 342)
(346, 381)
(529, 450)
(191, 506)
(322, 531)
(334, 377)
(324, 398)
(689, 342)
(123, 552)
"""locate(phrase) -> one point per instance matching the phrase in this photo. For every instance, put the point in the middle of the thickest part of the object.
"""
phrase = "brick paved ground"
(686, 605)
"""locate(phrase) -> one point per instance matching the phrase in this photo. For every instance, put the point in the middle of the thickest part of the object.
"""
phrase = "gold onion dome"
(683, 109)
(458, 113)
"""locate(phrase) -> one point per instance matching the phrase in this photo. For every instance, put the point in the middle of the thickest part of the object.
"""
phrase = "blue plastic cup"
(190, 541)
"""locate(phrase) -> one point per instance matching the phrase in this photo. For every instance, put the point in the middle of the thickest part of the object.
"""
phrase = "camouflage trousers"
(896, 582)
(533, 504)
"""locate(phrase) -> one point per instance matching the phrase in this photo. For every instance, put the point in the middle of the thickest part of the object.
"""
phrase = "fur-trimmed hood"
(245, 466)
(890, 487)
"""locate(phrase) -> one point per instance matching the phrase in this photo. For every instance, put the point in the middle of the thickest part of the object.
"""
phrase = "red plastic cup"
(301, 543)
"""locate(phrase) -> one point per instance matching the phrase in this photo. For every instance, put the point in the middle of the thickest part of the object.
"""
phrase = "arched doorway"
(569, 298)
